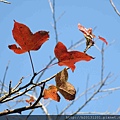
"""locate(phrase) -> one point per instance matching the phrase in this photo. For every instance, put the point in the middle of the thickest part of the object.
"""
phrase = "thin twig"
(15, 91)
(18, 84)
(18, 110)
(83, 93)
(114, 7)
(102, 65)
(86, 87)
(97, 91)
(31, 62)
(10, 86)
(110, 89)
(45, 69)
(52, 7)
(55, 23)
(4, 1)
(3, 81)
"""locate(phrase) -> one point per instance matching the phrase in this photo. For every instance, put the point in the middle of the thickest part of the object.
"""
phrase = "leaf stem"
(31, 62)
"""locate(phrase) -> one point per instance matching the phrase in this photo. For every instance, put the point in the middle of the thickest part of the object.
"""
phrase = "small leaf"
(69, 58)
(65, 88)
(51, 92)
(30, 100)
(26, 39)
(103, 39)
(61, 77)
(86, 32)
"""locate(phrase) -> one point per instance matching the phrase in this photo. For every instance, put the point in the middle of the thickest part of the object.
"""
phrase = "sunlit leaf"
(51, 92)
(103, 39)
(69, 58)
(26, 40)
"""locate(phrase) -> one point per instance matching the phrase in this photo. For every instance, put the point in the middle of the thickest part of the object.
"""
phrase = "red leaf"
(30, 100)
(103, 39)
(26, 39)
(69, 58)
(51, 92)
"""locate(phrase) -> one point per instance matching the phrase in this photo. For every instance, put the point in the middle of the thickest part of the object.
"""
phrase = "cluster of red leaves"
(28, 41)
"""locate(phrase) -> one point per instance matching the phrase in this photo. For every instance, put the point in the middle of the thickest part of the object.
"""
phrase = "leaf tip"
(103, 39)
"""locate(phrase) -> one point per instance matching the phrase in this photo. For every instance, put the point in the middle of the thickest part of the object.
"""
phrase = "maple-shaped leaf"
(51, 92)
(103, 39)
(69, 58)
(30, 100)
(65, 88)
(26, 40)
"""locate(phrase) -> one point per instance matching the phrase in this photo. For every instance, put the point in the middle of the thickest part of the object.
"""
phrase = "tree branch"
(114, 7)
(97, 91)
(4, 1)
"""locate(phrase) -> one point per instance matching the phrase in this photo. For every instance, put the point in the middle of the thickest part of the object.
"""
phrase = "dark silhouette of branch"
(19, 110)
(31, 63)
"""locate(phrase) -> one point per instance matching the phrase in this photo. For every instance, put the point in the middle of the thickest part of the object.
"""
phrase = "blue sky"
(36, 14)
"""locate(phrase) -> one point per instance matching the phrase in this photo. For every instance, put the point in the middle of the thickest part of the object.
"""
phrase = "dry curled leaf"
(89, 36)
(26, 40)
(69, 58)
(86, 32)
(65, 88)
(51, 92)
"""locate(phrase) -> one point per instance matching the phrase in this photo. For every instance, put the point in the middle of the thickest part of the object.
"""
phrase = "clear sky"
(37, 15)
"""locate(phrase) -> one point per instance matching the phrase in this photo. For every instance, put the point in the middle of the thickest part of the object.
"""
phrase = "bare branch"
(31, 63)
(3, 81)
(18, 110)
(96, 92)
(52, 7)
(102, 64)
(114, 7)
(110, 89)
(4, 1)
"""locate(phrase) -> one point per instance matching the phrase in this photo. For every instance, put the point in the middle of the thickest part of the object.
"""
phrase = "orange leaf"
(30, 100)
(51, 92)
(26, 39)
(69, 58)
(65, 88)
(103, 39)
